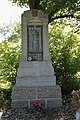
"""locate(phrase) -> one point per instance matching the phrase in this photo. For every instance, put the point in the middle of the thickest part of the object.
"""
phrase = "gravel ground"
(64, 113)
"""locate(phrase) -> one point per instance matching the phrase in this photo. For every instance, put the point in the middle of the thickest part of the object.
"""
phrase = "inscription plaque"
(35, 46)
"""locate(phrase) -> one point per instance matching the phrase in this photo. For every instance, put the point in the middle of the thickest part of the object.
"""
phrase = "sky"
(9, 13)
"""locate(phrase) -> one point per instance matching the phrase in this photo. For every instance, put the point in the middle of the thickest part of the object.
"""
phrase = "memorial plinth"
(35, 79)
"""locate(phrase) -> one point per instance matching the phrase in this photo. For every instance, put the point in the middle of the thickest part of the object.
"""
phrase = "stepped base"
(49, 96)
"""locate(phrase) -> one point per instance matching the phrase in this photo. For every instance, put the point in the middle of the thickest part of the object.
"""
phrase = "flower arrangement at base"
(38, 106)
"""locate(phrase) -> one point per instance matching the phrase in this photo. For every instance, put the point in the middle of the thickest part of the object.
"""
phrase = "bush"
(76, 99)
(5, 98)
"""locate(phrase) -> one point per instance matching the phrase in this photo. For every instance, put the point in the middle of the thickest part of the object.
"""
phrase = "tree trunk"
(34, 4)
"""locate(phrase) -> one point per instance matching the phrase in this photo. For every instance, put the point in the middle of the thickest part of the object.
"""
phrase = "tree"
(10, 49)
(65, 54)
(10, 53)
(55, 9)
(34, 4)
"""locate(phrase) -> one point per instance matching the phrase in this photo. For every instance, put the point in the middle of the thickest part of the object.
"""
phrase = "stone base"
(49, 96)
(35, 73)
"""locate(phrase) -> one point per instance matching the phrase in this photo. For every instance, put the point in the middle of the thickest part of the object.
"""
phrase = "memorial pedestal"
(35, 79)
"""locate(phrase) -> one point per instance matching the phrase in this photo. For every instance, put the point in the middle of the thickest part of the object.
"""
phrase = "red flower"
(38, 104)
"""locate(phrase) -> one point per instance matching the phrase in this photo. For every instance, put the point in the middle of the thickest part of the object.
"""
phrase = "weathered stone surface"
(49, 92)
(24, 93)
(19, 104)
(35, 79)
(46, 103)
(36, 73)
(50, 96)
(54, 103)
(36, 92)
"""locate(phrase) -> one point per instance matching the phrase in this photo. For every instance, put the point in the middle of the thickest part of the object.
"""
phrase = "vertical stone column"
(46, 55)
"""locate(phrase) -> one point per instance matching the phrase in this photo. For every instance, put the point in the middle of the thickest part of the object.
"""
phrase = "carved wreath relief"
(35, 49)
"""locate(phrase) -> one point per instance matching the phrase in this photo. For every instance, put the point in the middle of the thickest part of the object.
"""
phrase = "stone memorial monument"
(35, 79)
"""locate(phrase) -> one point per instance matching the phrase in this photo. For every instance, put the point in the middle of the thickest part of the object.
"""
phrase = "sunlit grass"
(5, 84)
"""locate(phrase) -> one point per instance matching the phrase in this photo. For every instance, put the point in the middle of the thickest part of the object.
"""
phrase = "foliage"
(9, 60)
(10, 52)
(21, 2)
(56, 9)
(64, 50)
(76, 99)
(10, 49)
(65, 54)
